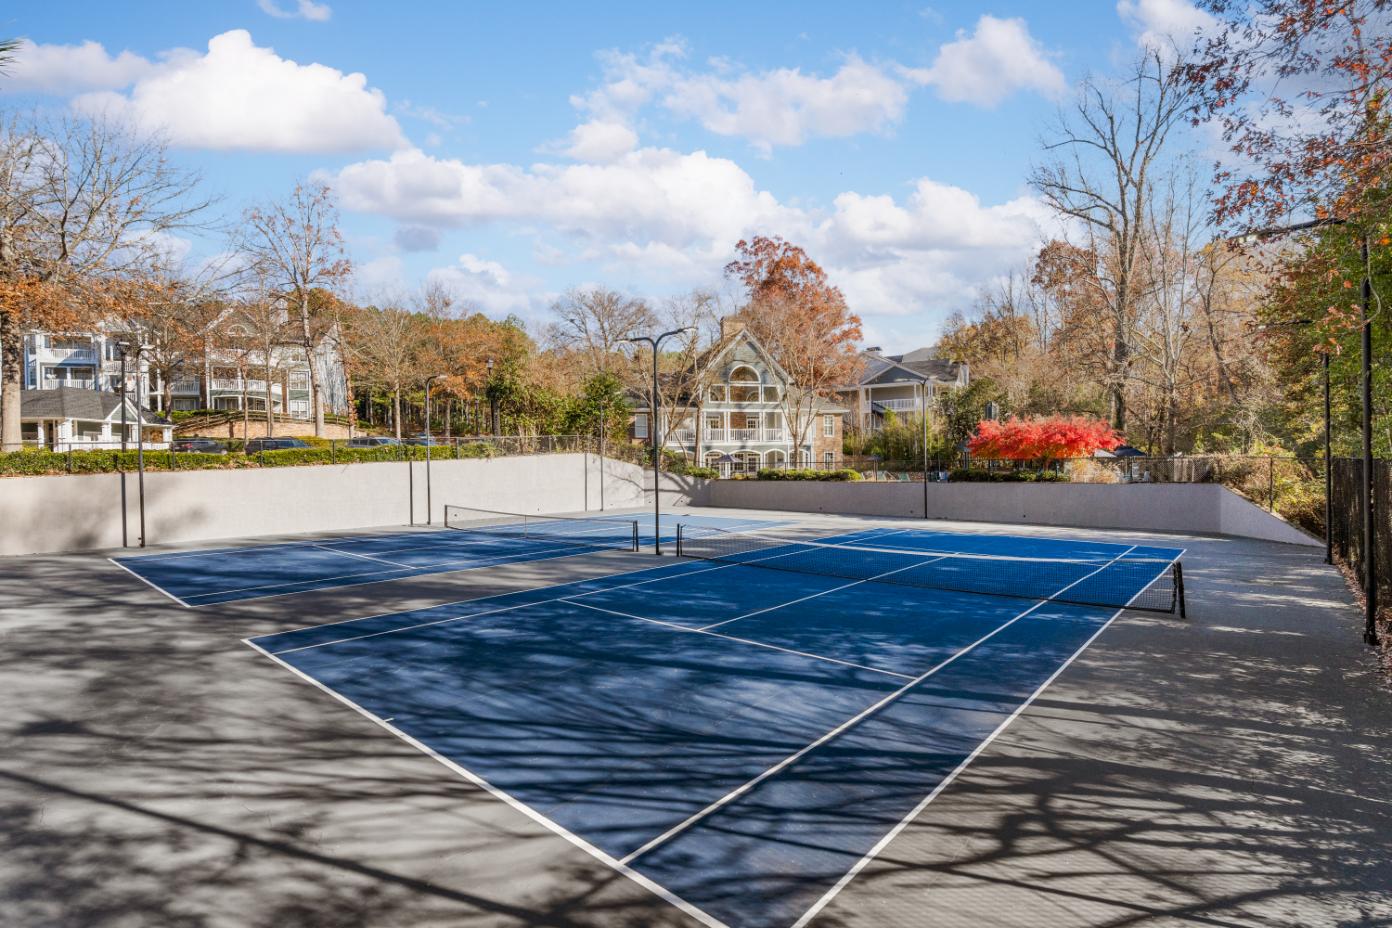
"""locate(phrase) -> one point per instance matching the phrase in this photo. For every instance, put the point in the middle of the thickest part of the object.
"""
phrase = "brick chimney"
(730, 326)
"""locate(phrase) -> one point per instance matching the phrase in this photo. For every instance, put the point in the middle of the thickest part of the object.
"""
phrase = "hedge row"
(36, 461)
(777, 473)
(980, 475)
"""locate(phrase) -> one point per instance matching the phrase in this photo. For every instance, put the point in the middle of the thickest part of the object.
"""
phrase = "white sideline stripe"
(853, 720)
(758, 644)
(459, 618)
(148, 583)
(367, 557)
(903, 823)
(657, 889)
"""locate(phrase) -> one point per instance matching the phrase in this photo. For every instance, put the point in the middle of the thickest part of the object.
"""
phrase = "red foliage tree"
(1042, 439)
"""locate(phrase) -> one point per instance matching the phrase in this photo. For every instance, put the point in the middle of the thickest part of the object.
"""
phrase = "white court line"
(604, 857)
(365, 557)
(471, 615)
(758, 644)
(903, 823)
(148, 583)
(853, 720)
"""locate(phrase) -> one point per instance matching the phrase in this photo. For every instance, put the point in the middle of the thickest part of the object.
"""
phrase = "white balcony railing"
(682, 436)
(184, 387)
(901, 405)
(233, 385)
(67, 354)
(715, 434)
(53, 383)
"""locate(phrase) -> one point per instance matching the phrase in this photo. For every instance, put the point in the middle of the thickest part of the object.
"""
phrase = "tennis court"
(470, 539)
(740, 730)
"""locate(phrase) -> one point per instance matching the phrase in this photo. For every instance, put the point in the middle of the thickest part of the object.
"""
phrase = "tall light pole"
(923, 414)
(654, 430)
(125, 532)
(428, 442)
(1365, 324)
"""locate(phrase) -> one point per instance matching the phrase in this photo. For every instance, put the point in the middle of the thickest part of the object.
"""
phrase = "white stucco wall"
(1202, 508)
(82, 512)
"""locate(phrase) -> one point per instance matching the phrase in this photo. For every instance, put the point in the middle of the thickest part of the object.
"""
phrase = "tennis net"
(1126, 581)
(581, 531)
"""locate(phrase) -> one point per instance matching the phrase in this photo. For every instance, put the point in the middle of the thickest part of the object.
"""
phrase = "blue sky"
(515, 150)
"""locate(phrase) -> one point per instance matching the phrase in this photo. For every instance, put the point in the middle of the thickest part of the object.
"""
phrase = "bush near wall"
(777, 473)
(979, 475)
(37, 461)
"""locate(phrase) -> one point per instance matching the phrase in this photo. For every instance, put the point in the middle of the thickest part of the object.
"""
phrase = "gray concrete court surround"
(1234, 769)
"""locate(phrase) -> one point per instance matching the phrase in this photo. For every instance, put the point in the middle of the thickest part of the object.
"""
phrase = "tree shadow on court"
(1231, 770)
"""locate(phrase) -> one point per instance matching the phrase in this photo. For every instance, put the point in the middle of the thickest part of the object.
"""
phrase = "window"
(717, 393)
(744, 393)
(299, 380)
(770, 394)
(826, 457)
(299, 408)
(640, 425)
(828, 426)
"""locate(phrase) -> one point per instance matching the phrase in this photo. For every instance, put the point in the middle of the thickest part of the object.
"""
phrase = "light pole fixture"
(654, 429)
(923, 414)
(1365, 324)
(125, 532)
(428, 442)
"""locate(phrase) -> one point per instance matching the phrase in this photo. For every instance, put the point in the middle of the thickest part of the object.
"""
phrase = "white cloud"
(667, 219)
(68, 69)
(1165, 25)
(787, 107)
(417, 238)
(996, 60)
(488, 286)
(600, 141)
(241, 96)
(304, 9)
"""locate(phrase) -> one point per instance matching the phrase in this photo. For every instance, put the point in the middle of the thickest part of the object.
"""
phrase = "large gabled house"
(739, 422)
(896, 383)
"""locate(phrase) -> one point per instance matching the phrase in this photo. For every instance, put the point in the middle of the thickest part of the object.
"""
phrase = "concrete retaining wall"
(82, 512)
(1201, 508)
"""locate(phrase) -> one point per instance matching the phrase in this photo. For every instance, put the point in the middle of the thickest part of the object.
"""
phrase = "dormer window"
(744, 385)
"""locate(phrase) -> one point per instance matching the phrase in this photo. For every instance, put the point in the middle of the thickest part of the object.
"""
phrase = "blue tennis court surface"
(738, 739)
(209, 576)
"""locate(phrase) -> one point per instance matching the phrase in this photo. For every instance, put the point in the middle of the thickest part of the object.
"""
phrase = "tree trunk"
(396, 411)
(316, 398)
(11, 381)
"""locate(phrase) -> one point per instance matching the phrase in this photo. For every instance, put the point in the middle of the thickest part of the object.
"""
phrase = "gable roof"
(712, 355)
(917, 364)
(77, 403)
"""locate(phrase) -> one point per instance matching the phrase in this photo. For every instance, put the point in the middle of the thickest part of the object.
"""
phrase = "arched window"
(744, 385)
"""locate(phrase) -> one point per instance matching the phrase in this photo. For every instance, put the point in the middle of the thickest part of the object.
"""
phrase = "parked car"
(371, 441)
(421, 439)
(273, 444)
(199, 445)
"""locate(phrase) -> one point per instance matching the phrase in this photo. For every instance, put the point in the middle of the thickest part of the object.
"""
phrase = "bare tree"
(387, 343)
(296, 246)
(79, 199)
(594, 324)
(1107, 151)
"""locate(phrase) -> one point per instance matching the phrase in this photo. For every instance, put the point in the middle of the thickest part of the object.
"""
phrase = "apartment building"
(92, 361)
(900, 384)
(738, 423)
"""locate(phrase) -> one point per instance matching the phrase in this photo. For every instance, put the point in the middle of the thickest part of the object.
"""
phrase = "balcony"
(716, 436)
(67, 355)
(184, 387)
(233, 385)
(682, 436)
(53, 383)
(902, 405)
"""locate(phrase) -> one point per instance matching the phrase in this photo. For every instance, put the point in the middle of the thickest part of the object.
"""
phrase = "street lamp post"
(428, 442)
(923, 414)
(125, 531)
(1365, 324)
(654, 430)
